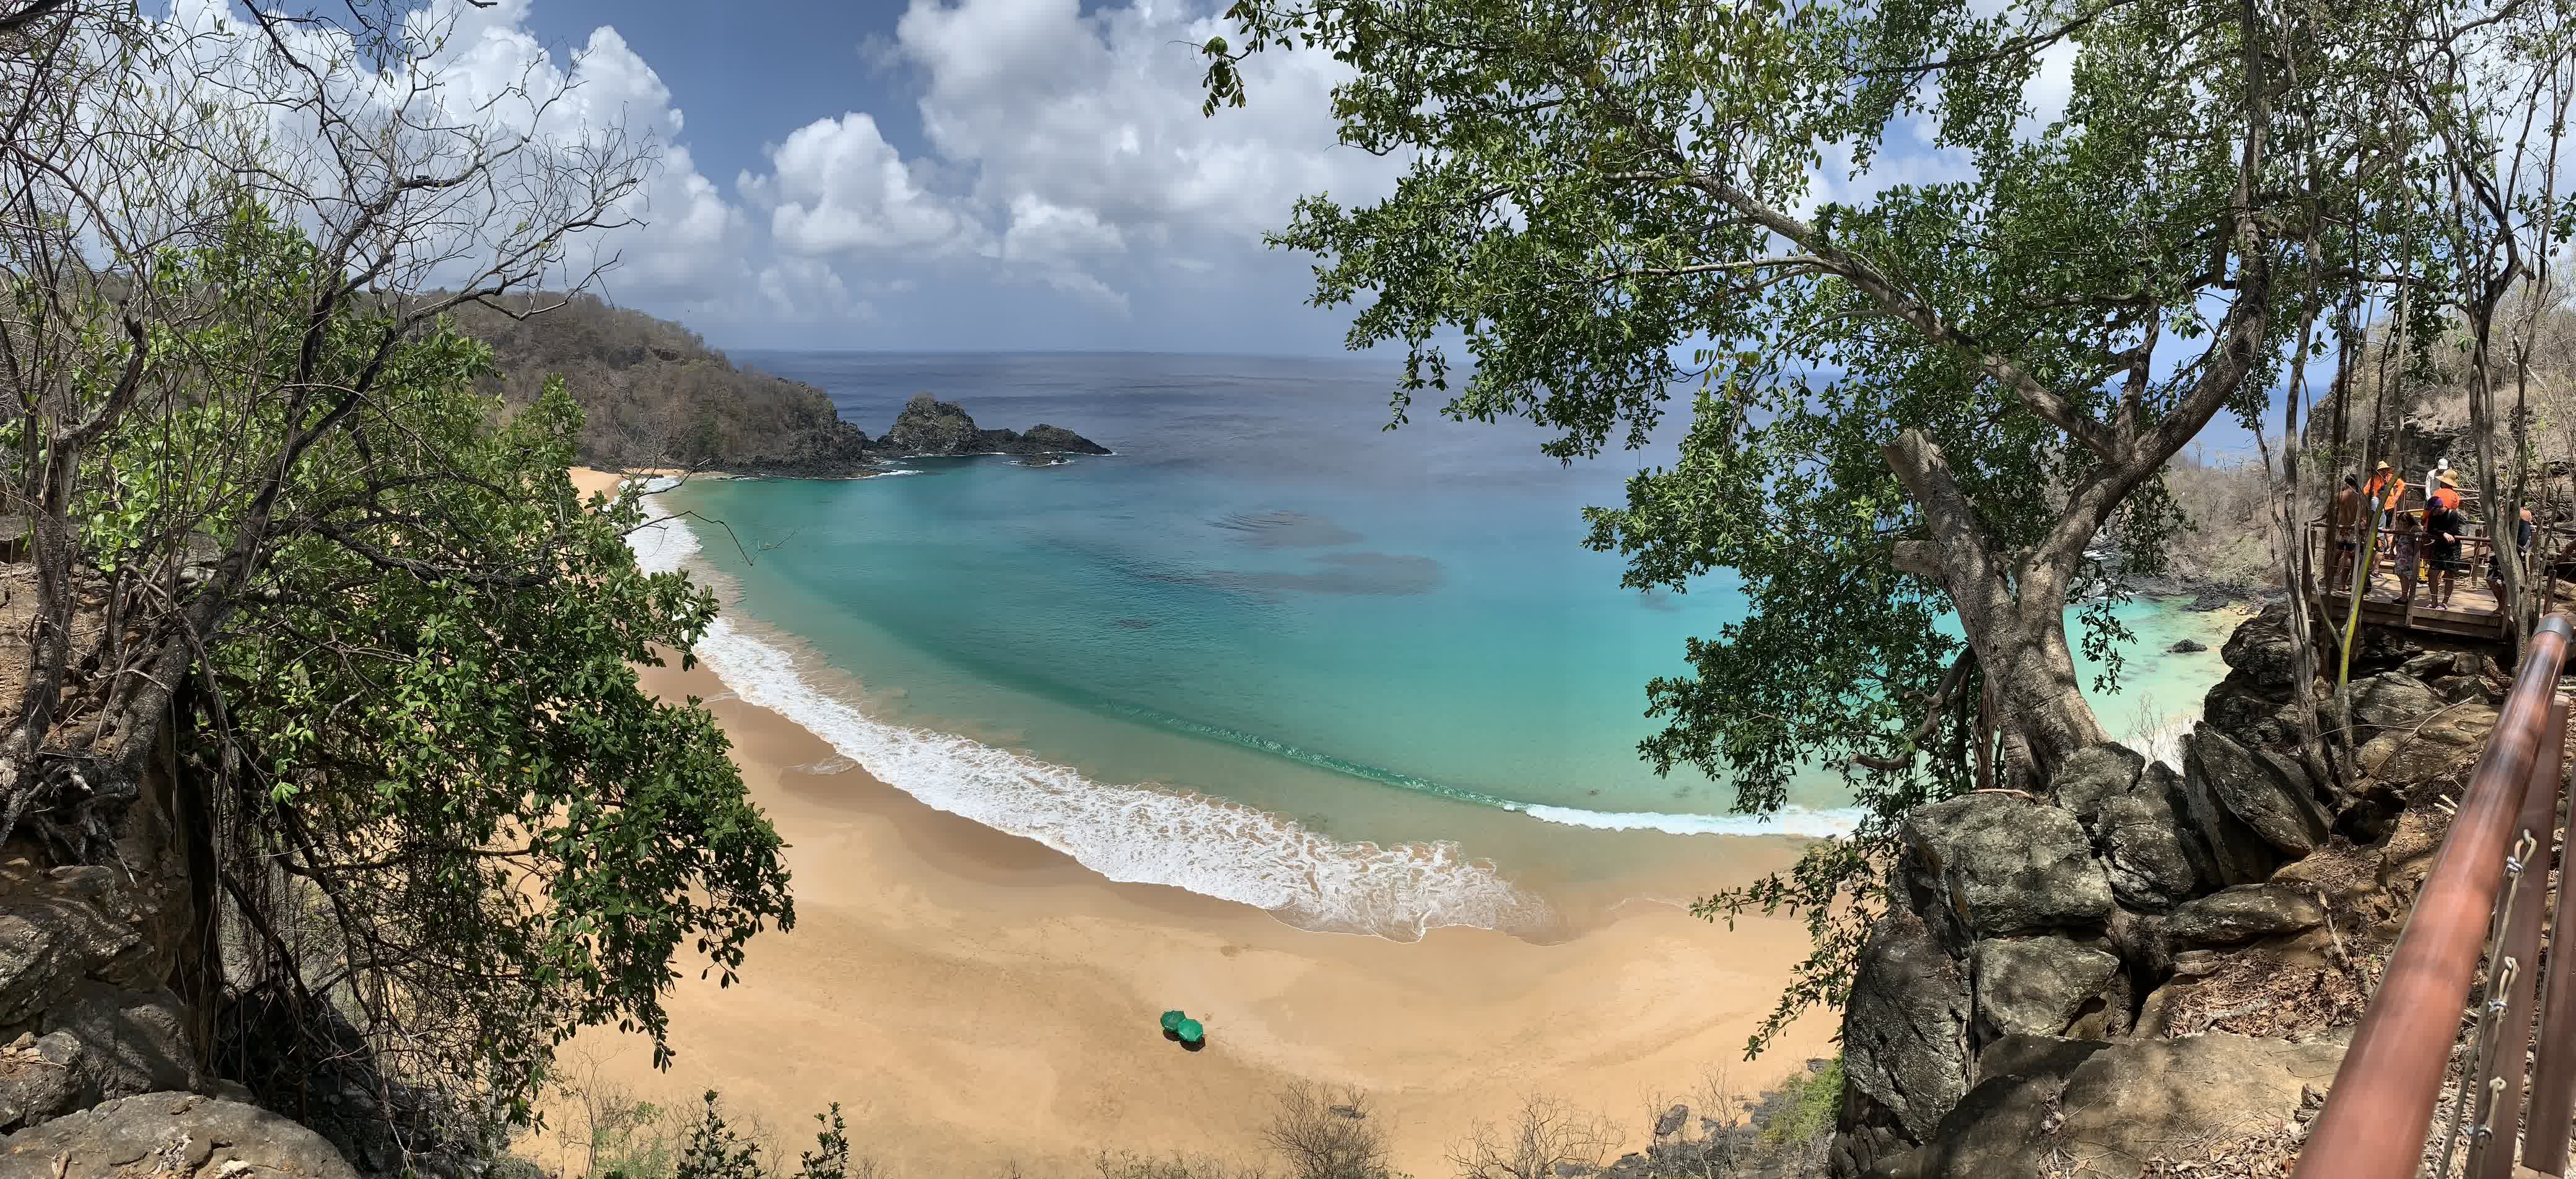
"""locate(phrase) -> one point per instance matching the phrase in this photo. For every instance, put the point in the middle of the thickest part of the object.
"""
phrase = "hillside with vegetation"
(653, 394)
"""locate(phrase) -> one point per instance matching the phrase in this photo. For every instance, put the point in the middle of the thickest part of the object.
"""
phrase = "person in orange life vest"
(2384, 489)
(2443, 527)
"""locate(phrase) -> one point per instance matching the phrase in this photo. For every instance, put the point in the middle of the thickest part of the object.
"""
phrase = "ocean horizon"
(1267, 651)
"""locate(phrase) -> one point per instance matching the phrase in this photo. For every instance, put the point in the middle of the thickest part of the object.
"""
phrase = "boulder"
(2439, 745)
(2283, 813)
(2434, 665)
(1905, 1027)
(2118, 1106)
(2001, 864)
(49, 944)
(2243, 914)
(2258, 720)
(2043, 986)
(2187, 647)
(131, 1042)
(2463, 689)
(2392, 701)
(2149, 850)
(2000, 1127)
(2093, 776)
(2260, 653)
(171, 1136)
(37, 1080)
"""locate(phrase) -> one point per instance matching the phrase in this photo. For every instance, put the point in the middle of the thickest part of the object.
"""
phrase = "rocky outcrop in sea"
(929, 427)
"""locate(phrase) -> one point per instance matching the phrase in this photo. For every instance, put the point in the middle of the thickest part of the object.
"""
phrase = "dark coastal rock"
(2244, 913)
(1999, 864)
(1046, 439)
(2237, 855)
(1905, 1027)
(2392, 701)
(2212, 599)
(2435, 746)
(2000, 1127)
(2283, 813)
(49, 945)
(2148, 847)
(2045, 986)
(2110, 1108)
(130, 1042)
(929, 426)
(2260, 652)
(2093, 776)
(2187, 647)
(174, 1136)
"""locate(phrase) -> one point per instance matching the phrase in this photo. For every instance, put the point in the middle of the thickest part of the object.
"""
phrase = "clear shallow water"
(1367, 680)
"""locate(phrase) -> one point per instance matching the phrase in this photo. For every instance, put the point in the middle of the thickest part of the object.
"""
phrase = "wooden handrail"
(2500, 1077)
(2553, 1074)
(2374, 1122)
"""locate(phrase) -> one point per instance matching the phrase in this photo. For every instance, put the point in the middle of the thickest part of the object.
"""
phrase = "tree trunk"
(2014, 616)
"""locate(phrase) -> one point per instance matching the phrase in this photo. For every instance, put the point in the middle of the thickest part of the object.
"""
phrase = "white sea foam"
(1126, 833)
(1791, 820)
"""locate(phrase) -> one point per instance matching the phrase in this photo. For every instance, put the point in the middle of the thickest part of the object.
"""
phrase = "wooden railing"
(2482, 898)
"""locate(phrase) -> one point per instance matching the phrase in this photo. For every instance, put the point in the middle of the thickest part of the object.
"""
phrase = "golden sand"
(976, 1000)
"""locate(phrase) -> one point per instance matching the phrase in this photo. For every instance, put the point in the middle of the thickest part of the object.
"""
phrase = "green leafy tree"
(1946, 403)
(447, 809)
(348, 622)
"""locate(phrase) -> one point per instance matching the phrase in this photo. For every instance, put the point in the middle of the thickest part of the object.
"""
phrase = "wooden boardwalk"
(2472, 614)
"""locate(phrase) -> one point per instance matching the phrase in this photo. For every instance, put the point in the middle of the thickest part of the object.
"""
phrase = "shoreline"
(976, 999)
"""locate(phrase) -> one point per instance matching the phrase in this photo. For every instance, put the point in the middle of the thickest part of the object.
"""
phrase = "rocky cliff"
(2152, 966)
(654, 394)
(104, 1063)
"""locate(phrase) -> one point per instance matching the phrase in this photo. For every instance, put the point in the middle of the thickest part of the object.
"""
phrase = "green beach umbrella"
(1190, 1031)
(1172, 1021)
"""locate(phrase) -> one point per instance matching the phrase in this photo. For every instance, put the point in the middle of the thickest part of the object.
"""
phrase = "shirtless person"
(2347, 514)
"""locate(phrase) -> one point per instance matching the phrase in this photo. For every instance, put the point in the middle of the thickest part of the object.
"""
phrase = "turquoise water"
(1263, 633)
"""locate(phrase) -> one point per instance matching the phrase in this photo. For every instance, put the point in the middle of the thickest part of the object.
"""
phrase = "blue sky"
(1027, 175)
(948, 174)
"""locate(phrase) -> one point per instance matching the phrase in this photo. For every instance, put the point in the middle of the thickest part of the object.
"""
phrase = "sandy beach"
(977, 1001)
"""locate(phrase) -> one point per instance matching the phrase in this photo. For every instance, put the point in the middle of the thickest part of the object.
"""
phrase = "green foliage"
(446, 770)
(714, 1151)
(652, 392)
(1594, 191)
(627, 1141)
(1134, 1166)
(1815, 1100)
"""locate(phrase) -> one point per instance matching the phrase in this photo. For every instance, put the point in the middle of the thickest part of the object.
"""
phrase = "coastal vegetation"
(1311, 1133)
(294, 581)
(651, 391)
(1935, 408)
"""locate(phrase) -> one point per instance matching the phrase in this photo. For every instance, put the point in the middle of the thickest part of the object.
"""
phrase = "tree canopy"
(434, 823)
(1943, 342)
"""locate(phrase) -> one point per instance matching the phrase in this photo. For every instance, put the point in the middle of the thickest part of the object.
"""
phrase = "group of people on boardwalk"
(2427, 541)
(2422, 544)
